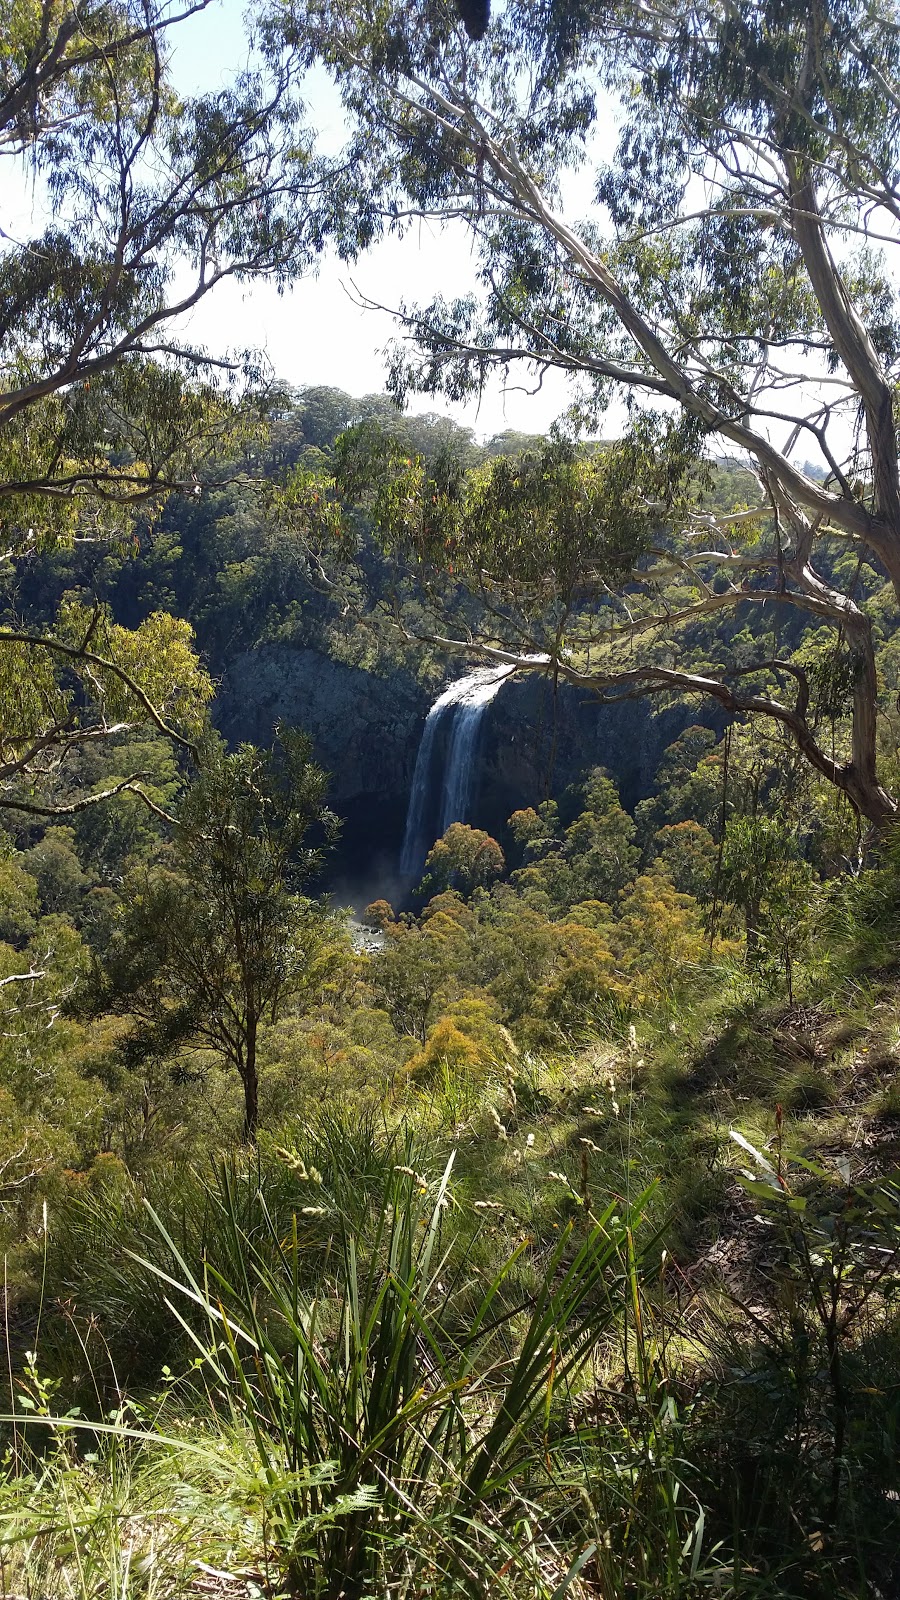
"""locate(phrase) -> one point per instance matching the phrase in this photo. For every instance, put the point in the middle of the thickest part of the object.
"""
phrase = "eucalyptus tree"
(222, 938)
(726, 277)
(147, 201)
(151, 200)
(55, 59)
(92, 682)
(463, 859)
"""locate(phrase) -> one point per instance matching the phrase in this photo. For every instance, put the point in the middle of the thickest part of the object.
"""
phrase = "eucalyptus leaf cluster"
(727, 263)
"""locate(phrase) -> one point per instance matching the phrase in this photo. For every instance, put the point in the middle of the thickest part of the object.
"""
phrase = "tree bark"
(854, 346)
(250, 1076)
(866, 793)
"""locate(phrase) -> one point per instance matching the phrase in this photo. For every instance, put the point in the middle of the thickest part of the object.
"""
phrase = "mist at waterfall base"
(442, 783)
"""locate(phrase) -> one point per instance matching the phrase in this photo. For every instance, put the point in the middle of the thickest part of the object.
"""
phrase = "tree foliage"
(155, 200)
(463, 858)
(219, 940)
(91, 680)
(730, 284)
(590, 860)
(150, 200)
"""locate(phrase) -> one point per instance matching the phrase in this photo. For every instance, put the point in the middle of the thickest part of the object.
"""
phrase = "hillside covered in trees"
(412, 1186)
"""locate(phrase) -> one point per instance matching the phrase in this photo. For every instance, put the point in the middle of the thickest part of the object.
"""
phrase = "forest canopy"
(151, 200)
(730, 290)
(534, 1230)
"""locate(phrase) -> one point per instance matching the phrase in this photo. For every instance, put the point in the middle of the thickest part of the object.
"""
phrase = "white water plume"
(463, 704)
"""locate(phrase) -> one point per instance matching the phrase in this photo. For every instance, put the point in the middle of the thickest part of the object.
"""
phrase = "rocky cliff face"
(535, 741)
(538, 739)
(365, 731)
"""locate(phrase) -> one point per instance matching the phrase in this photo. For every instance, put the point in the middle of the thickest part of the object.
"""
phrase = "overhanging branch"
(34, 808)
(79, 653)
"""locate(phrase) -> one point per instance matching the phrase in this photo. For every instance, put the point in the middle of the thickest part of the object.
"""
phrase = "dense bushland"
(563, 1254)
(539, 1234)
(494, 1297)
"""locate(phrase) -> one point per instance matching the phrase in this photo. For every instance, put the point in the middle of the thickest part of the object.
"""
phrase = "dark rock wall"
(365, 732)
(538, 739)
(535, 741)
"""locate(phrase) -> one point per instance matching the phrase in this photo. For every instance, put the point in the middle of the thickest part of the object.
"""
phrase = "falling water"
(480, 690)
(464, 702)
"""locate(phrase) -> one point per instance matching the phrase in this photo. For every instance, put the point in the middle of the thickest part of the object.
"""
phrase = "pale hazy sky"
(315, 334)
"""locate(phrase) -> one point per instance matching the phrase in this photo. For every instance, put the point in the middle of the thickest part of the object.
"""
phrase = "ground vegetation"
(543, 1233)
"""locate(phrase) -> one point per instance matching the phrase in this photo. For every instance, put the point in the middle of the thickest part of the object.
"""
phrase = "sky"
(317, 333)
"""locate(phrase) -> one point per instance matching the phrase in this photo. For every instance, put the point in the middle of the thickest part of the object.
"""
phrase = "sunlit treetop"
(63, 66)
(150, 200)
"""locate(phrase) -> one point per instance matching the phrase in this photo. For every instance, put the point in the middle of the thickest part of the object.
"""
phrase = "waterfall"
(462, 705)
(474, 694)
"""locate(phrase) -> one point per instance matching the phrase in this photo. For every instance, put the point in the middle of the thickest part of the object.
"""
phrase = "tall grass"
(400, 1399)
(394, 1385)
(138, 1516)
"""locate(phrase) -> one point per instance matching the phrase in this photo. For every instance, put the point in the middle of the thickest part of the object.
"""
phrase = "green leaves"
(88, 680)
(150, 203)
(710, 268)
(552, 518)
(463, 859)
(552, 527)
(217, 943)
(396, 1393)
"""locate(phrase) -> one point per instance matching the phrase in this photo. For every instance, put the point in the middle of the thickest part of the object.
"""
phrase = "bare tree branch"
(130, 785)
